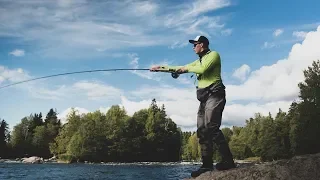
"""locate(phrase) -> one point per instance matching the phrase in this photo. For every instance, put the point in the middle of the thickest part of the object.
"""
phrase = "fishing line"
(76, 72)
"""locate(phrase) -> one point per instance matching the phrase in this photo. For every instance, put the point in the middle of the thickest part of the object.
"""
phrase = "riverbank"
(303, 167)
(35, 160)
(40, 160)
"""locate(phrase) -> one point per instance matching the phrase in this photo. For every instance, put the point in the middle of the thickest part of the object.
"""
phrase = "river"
(161, 171)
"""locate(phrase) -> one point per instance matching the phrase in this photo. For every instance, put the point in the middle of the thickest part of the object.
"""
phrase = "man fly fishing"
(212, 96)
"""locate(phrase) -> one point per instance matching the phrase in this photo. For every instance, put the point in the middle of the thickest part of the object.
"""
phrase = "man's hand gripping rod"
(174, 74)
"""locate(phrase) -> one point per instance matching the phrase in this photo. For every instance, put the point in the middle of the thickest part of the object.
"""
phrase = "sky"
(264, 48)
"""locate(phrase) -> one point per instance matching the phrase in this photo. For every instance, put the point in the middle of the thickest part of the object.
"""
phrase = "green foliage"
(4, 138)
(305, 123)
(32, 136)
(191, 148)
(40, 141)
(146, 136)
(288, 134)
(227, 132)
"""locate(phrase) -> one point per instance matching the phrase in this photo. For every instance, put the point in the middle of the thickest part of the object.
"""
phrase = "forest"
(149, 135)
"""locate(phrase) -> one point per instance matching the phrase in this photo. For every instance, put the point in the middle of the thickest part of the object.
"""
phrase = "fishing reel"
(175, 75)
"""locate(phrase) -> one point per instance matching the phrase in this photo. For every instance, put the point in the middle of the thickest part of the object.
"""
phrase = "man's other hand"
(155, 68)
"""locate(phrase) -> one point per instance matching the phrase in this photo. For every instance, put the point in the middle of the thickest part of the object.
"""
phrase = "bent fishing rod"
(162, 69)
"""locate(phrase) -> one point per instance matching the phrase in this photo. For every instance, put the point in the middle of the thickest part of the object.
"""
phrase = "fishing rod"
(162, 69)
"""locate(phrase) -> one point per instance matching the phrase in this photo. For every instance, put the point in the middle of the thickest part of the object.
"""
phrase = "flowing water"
(96, 171)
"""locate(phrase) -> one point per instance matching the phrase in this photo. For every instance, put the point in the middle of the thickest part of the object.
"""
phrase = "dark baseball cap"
(200, 39)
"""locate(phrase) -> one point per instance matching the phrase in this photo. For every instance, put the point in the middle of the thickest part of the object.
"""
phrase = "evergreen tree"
(305, 122)
(4, 138)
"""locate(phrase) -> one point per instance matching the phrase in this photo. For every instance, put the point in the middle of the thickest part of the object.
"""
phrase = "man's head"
(200, 43)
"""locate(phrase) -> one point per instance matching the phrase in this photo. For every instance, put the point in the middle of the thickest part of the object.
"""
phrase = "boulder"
(303, 167)
(33, 160)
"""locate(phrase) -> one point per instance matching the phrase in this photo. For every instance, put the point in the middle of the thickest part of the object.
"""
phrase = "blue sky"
(39, 38)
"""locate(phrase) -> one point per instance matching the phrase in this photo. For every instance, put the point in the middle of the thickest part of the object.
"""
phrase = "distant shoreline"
(20, 161)
(105, 163)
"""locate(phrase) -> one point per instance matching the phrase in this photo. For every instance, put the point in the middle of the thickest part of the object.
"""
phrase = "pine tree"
(4, 135)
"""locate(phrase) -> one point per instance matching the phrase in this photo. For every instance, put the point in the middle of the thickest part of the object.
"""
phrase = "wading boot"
(225, 165)
(227, 158)
(207, 165)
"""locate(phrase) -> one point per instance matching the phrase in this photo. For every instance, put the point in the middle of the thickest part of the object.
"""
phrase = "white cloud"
(98, 28)
(64, 114)
(182, 106)
(187, 80)
(236, 114)
(88, 90)
(68, 3)
(268, 45)
(96, 90)
(9, 78)
(12, 75)
(182, 111)
(279, 81)
(134, 63)
(299, 34)
(144, 8)
(104, 109)
(189, 25)
(278, 32)
(178, 44)
(92, 90)
(187, 19)
(203, 6)
(164, 92)
(132, 107)
(17, 52)
(39, 92)
(242, 72)
(226, 32)
(134, 60)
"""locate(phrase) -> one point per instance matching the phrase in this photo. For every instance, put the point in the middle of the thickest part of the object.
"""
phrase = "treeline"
(149, 135)
(31, 137)
(287, 134)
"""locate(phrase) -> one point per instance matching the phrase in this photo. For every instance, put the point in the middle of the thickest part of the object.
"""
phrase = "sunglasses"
(195, 44)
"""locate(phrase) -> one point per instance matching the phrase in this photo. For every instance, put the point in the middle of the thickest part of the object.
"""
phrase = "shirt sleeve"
(178, 67)
(174, 68)
(191, 64)
(212, 59)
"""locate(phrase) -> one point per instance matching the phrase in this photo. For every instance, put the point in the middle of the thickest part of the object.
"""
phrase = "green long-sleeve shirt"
(209, 68)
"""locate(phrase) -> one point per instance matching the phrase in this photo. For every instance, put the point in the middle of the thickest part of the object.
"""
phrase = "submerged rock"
(304, 167)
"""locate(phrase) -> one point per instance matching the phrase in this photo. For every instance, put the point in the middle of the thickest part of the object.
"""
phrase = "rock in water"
(304, 167)
(33, 160)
